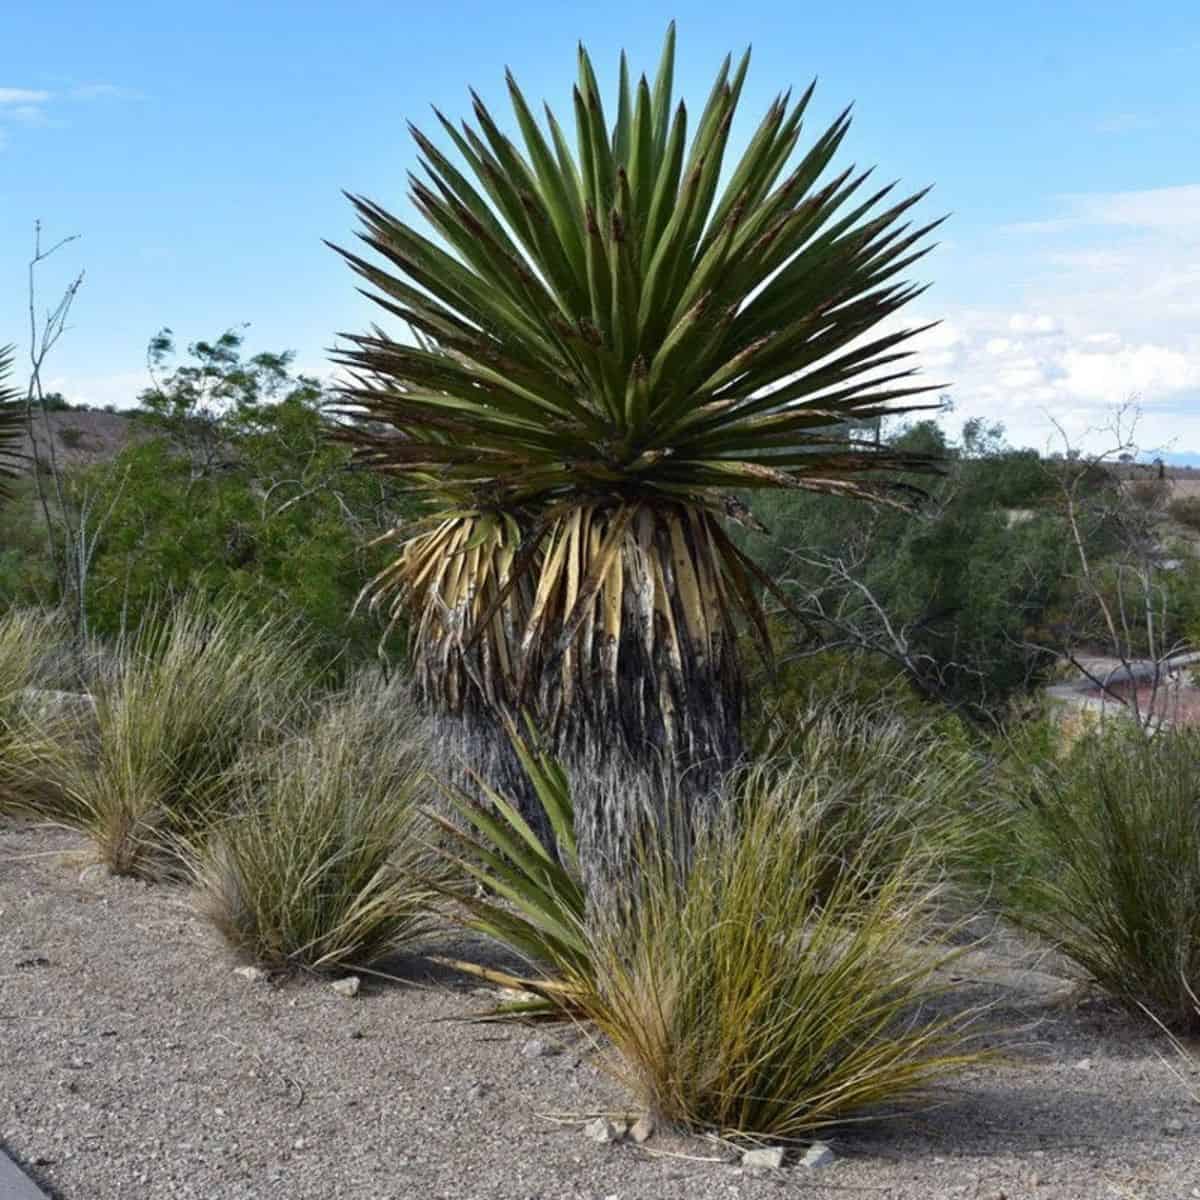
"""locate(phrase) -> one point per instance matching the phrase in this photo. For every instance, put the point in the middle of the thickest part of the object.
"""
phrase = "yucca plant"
(12, 424)
(532, 896)
(610, 337)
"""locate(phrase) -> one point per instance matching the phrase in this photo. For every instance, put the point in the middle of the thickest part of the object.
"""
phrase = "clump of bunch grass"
(876, 786)
(38, 736)
(1108, 842)
(192, 690)
(779, 987)
(326, 863)
(768, 986)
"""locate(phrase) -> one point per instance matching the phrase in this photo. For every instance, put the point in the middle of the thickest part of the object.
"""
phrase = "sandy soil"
(1181, 706)
(135, 1063)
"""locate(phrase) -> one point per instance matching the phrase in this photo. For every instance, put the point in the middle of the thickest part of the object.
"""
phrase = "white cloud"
(1107, 309)
(1093, 260)
(27, 106)
(1035, 324)
(119, 389)
(1058, 372)
(23, 106)
(27, 114)
(1166, 208)
(1110, 376)
(22, 96)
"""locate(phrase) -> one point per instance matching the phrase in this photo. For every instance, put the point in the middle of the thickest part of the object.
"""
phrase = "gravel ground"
(135, 1063)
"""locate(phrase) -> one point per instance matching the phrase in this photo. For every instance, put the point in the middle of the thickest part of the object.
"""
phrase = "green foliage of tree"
(232, 489)
(957, 597)
(26, 574)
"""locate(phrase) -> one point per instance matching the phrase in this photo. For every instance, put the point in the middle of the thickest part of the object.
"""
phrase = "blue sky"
(199, 150)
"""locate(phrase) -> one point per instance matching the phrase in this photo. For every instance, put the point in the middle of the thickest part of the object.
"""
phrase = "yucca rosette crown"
(612, 336)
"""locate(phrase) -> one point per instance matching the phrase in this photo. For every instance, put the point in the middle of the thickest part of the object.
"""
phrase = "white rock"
(818, 1155)
(348, 986)
(1084, 1064)
(764, 1158)
(643, 1129)
(537, 1048)
(604, 1131)
(254, 974)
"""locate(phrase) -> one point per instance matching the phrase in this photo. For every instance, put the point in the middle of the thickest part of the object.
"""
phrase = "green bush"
(1107, 851)
(325, 862)
(1186, 510)
(191, 691)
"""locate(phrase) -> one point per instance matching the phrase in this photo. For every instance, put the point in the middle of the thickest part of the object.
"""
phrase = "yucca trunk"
(619, 650)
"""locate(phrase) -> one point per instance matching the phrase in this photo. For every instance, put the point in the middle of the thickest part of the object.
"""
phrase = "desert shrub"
(326, 862)
(1186, 510)
(782, 692)
(1149, 493)
(1107, 864)
(37, 732)
(876, 785)
(769, 987)
(193, 689)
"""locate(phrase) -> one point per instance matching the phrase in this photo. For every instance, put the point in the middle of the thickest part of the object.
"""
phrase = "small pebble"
(604, 1131)
(818, 1155)
(763, 1158)
(348, 986)
(643, 1129)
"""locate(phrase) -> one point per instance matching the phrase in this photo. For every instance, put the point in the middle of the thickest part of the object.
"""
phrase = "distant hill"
(83, 436)
(1184, 481)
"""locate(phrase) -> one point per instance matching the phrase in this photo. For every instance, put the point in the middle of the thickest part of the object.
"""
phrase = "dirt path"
(134, 1063)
